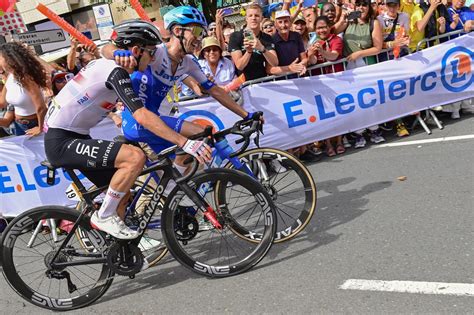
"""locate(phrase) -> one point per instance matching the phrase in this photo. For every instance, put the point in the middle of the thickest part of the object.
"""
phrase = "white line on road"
(459, 289)
(399, 144)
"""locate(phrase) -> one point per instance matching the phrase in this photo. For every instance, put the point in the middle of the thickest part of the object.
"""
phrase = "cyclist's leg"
(95, 157)
(129, 162)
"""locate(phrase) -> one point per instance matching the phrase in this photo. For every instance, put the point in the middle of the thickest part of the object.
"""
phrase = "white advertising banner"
(304, 110)
(296, 111)
(22, 178)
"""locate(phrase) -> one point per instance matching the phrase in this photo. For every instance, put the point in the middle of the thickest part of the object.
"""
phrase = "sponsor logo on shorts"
(84, 149)
(107, 153)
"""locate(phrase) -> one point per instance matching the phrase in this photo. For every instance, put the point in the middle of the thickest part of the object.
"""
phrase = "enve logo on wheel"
(456, 69)
(203, 118)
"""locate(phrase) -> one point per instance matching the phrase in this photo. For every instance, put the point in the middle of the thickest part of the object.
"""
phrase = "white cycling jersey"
(161, 70)
(84, 101)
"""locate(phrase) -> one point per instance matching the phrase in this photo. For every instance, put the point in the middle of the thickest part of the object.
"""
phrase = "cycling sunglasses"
(197, 31)
(152, 52)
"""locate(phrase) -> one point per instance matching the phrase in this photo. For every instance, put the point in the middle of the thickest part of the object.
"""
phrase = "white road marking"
(399, 144)
(458, 289)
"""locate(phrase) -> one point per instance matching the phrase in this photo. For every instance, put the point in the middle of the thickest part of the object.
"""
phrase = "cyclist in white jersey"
(85, 101)
(173, 61)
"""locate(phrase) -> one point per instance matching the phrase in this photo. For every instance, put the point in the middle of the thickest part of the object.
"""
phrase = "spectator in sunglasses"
(268, 27)
(221, 69)
(59, 80)
(80, 55)
(211, 29)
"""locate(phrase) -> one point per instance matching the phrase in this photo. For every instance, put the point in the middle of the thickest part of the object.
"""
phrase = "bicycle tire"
(152, 257)
(286, 230)
(11, 258)
(182, 251)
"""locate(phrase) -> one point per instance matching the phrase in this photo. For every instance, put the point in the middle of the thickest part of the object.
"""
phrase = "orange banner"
(59, 21)
(140, 11)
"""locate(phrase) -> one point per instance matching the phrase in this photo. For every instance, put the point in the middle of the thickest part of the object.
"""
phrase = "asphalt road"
(369, 225)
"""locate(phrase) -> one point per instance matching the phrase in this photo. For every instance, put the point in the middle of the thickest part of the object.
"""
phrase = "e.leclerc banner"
(296, 111)
(304, 110)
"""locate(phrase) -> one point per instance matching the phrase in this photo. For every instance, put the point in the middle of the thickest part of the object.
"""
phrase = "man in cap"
(289, 47)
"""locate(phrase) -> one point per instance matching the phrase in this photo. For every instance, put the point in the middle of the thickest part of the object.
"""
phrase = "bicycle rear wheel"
(219, 252)
(290, 185)
(28, 246)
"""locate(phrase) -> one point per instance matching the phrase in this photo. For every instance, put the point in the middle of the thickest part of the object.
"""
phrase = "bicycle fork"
(206, 210)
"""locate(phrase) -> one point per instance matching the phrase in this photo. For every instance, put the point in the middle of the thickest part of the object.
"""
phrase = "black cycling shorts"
(95, 158)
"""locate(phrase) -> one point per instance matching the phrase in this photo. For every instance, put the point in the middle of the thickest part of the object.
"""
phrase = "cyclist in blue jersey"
(173, 61)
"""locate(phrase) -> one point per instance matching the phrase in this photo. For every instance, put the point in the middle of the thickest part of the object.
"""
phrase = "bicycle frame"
(157, 202)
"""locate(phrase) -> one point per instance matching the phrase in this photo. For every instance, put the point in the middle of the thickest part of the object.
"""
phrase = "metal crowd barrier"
(429, 113)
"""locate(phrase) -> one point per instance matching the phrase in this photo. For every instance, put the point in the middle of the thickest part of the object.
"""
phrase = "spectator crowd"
(292, 42)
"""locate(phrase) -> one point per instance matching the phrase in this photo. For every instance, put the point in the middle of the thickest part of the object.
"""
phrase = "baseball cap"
(282, 14)
(392, 1)
(212, 25)
(299, 17)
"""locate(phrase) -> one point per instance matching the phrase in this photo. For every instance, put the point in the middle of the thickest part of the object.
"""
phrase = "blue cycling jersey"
(153, 85)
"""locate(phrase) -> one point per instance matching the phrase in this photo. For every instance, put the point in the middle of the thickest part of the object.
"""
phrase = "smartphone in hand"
(354, 15)
(248, 34)
(313, 37)
(227, 11)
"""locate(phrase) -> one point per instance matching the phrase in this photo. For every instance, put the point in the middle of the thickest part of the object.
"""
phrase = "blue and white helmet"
(184, 15)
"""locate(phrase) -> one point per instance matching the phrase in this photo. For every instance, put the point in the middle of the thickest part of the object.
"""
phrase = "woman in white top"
(25, 79)
(213, 64)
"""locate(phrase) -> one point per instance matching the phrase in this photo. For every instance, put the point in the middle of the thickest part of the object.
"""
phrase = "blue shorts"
(136, 132)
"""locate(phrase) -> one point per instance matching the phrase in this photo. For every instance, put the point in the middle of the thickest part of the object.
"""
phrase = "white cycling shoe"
(114, 226)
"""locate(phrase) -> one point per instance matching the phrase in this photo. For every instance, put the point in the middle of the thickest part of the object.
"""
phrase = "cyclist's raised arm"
(123, 58)
(119, 80)
(220, 95)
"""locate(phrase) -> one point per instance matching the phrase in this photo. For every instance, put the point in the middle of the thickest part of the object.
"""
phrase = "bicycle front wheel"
(216, 251)
(29, 245)
(289, 183)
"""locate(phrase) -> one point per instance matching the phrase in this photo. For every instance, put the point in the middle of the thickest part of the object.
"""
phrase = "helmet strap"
(181, 40)
(138, 58)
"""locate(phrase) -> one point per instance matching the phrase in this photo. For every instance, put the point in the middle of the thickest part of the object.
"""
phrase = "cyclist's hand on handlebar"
(250, 116)
(199, 149)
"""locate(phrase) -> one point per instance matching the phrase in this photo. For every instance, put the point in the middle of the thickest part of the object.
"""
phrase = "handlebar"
(242, 128)
(163, 156)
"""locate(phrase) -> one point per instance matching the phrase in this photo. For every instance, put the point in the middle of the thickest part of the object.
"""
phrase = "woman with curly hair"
(25, 79)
